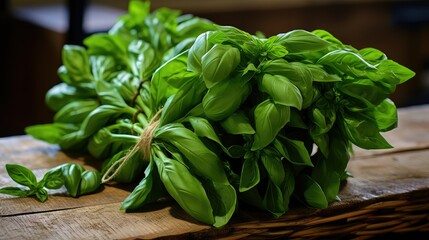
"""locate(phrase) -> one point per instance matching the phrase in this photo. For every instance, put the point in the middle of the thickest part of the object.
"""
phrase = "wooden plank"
(103, 221)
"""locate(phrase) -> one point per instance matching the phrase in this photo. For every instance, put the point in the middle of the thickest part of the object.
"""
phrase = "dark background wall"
(31, 46)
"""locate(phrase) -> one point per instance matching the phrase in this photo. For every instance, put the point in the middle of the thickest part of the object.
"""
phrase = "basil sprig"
(73, 176)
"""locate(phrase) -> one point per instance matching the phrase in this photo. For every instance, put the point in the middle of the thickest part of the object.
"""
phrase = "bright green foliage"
(234, 116)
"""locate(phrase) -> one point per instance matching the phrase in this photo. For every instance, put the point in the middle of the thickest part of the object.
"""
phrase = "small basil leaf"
(273, 200)
(51, 132)
(386, 116)
(270, 118)
(148, 190)
(312, 192)
(218, 63)
(21, 175)
(237, 123)
(185, 188)
(72, 174)
(298, 41)
(202, 160)
(250, 175)
(14, 191)
(282, 90)
(90, 182)
(201, 46)
(274, 167)
(53, 179)
(363, 131)
(294, 151)
(42, 195)
(225, 98)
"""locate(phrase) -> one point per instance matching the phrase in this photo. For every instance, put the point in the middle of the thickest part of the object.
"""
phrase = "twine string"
(143, 144)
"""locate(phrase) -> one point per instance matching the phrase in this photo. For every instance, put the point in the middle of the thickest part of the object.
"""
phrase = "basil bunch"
(231, 115)
(280, 114)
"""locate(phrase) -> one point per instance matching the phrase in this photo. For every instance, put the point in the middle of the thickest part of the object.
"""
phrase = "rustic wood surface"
(389, 187)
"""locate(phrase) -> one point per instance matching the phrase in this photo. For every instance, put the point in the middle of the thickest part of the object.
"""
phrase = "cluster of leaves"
(264, 120)
(74, 177)
(280, 114)
(102, 104)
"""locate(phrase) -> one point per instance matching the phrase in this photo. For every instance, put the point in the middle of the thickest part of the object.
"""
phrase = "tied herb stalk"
(222, 115)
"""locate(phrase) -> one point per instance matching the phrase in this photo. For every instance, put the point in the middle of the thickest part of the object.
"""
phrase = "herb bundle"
(210, 114)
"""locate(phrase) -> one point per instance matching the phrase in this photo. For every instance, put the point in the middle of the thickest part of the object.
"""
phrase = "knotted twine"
(143, 144)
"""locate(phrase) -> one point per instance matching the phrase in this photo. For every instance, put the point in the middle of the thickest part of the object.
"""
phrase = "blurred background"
(33, 33)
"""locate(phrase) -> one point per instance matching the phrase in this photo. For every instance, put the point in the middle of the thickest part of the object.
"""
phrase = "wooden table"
(389, 194)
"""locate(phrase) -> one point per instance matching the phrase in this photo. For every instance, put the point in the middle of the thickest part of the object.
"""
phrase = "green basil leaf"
(347, 62)
(273, 200)
(386, 116)
(328, 179)
(325, 35)
(90, 182)
(103, 68)
(322, 142)
(391, 72)
(237, 38)
(202, 161)
(75, 111)
(161, 87)
(362, 130)
(73, 141)
(322, 116)
(14, 191)
(218, 63)
(144, 59)
(237, 123)
(51, 132)
(99, 117)
(186, 189)
(108, 95)
(21, 175)
(270, 118)
(186, 98)
(277, 51)
(148, 190)
(283, 91)
(131, 170)
(203, 128)
(250, 175)
(62, 94)
(225, 98)
(72, 174)
(223, 200)
(288, 187)
(274, 167)
(318, 74)
(298, 41)
(299, 74)
(294, 151)
(312, 192)
(42, 195)
(76, 60)
(372, 55)
(364, 90)
(53, 179)
(201, 46)
(107, 45)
